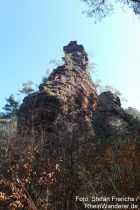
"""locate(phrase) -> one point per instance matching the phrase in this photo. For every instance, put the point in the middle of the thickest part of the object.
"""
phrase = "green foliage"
(69, 61)
(10, 108)
(55, 62)
(101, 88)
(47, 74)
(113, 90)
(27, 88)
(2, 118)
(134, 112)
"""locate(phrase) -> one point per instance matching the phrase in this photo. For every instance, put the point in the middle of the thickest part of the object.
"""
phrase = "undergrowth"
(33, 178)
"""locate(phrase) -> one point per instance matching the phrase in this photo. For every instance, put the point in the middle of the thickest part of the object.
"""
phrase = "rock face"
(69, 95)
(69, 91)
(111, 114)
(75, 56)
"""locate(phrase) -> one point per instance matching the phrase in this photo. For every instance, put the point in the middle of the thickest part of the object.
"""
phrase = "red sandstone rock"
(70, 95)
(69, 89)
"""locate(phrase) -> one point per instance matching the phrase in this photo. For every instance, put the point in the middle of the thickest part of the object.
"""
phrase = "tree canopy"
(134, 112)
(102, 8)
(10, 107)
(27, 88)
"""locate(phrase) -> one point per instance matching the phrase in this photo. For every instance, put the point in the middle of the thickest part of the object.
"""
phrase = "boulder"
(111, 116)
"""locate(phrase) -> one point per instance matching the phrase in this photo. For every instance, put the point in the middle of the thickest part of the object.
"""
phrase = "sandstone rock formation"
(111, 114)
(69, 95)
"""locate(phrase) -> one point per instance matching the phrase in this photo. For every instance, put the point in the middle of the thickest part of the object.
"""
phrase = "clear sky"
(33, 32)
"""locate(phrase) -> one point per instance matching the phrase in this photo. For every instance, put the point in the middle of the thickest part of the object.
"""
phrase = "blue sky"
(34, 32)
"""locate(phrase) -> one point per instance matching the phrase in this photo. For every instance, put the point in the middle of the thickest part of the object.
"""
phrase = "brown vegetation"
(33, 178)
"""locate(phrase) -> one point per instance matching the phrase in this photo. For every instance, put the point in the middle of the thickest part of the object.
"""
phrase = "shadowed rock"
(111, 117)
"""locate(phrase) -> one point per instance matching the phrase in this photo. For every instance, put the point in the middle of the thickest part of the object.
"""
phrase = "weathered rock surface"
(69, 91)
(111, 115)
(69, 95)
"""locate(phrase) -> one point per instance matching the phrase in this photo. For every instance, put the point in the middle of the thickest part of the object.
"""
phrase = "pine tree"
(27, 88)
(10, 107)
